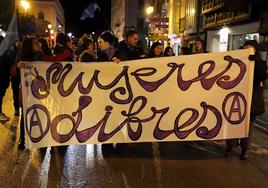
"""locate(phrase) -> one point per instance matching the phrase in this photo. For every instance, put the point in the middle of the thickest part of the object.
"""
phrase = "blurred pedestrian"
(169, 51)
(15, 76)
(46, 51)
(260, 75)
(80, 47)
(88, 54)
(185, 51)
(74, 46)
(156, 50)
(200, 46)
(46, 54)
(63, 43)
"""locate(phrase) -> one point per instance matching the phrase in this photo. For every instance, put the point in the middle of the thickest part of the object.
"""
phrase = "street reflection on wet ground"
(166, 164)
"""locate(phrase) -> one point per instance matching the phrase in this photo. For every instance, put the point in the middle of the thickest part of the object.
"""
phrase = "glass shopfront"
(239, 40)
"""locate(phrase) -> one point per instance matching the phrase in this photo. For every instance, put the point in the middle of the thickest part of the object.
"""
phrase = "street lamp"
(25, 5)
(49, 26)
(50, 32)
(70, 34)
(149, 10)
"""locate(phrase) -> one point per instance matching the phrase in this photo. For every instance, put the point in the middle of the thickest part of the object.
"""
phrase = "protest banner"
(194, 97)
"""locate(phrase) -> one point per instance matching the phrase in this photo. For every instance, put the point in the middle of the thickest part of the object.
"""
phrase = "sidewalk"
(262, 121)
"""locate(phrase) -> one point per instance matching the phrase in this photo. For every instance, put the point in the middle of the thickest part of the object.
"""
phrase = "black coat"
(260, 69)
(126, 52)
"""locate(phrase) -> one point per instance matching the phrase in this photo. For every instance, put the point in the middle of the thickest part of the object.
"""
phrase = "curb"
(259, 124)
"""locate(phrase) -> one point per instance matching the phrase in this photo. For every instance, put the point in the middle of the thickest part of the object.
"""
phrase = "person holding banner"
(260, 75)
(30, 51)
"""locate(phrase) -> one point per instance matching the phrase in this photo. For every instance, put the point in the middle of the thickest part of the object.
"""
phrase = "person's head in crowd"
(156, 50)
(200, 46)
(106, 40)
(30, 49)
(132, 37)
(252, 44)
(62, 39)
(88, 44)
(74, 45)
(1, 38)
(45, 49)
(168, 51)
(81, 39)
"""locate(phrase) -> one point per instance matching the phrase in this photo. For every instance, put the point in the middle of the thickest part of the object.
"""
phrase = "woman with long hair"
(46, 51)
(200, 46)
(156, 50)
(168, 51)
(30, 51)
(88, 54)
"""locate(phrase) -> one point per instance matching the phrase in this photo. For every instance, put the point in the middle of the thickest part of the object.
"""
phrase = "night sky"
(73, 11)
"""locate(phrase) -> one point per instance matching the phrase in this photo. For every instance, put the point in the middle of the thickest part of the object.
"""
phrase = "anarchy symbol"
(33, 115)
(236, 107)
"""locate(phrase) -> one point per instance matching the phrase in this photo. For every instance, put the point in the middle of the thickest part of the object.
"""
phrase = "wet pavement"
(163, 165)
(262, 121)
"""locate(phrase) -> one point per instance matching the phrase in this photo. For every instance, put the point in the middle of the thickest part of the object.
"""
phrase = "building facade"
(229, 24)
(49, 10)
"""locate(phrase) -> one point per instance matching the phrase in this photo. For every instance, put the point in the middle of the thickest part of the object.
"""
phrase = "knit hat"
(108, 37)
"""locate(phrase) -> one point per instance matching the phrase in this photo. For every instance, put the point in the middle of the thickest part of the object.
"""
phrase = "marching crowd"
(108, 48)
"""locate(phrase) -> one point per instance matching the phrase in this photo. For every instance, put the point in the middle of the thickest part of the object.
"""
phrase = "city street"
(172, 164)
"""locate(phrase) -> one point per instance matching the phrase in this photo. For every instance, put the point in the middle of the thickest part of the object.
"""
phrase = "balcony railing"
(211, 5)
(182, 25)
(221, 18)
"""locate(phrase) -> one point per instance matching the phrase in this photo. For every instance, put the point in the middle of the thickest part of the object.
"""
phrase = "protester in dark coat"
(62, 41)
(186, 51)
(15, 76)
(260, 74)
(129, 49)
